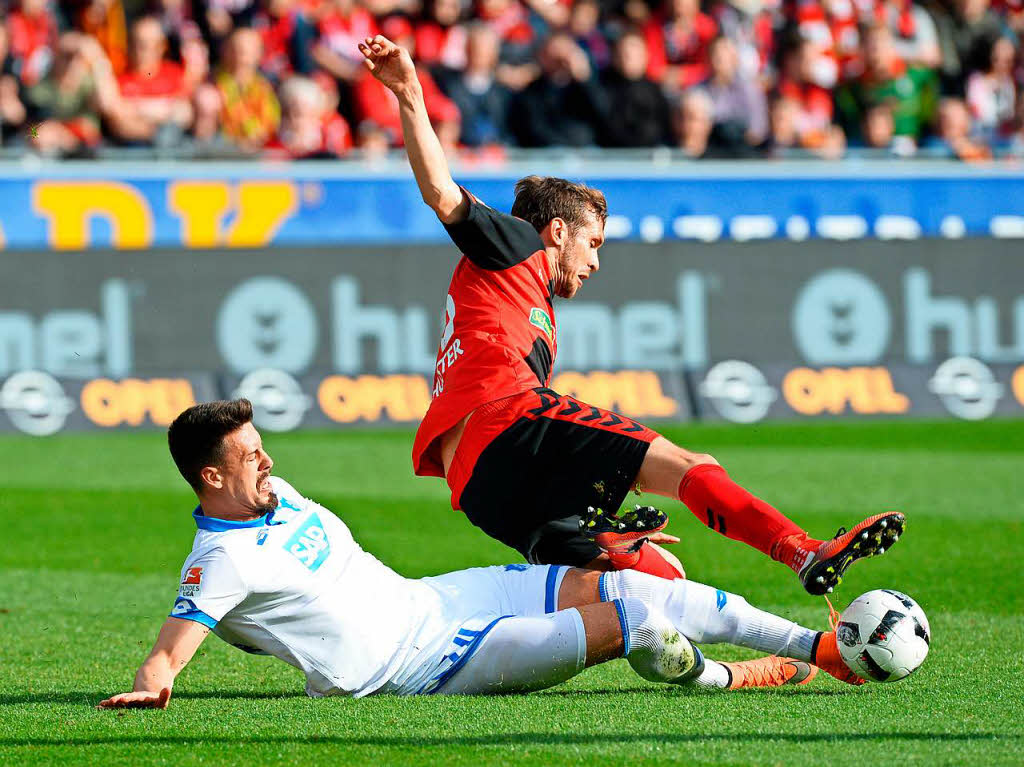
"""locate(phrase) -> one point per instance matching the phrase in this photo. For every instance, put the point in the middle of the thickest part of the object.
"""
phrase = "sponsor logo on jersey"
(720, 599)
(540, 318)
(192, 581)
(183, 606)
(309, 544)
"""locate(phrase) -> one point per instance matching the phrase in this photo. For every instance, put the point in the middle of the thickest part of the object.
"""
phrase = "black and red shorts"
(529, 465)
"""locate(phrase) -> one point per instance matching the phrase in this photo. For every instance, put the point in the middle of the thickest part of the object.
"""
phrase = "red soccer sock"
(726, 507)
(646, 560)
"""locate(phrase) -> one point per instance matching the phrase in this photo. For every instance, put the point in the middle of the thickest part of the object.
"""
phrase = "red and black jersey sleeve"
(491, 239)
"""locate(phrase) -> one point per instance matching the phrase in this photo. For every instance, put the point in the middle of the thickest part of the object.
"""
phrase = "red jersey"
(499, 325)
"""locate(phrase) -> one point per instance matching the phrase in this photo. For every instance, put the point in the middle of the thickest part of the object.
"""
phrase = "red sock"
(646, 560)
(726, 507)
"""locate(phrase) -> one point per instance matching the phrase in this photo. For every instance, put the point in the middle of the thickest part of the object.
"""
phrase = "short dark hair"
(539, 199)
(196, 438)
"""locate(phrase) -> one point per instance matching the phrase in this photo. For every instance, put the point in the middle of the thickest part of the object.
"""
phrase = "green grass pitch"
(95, 528)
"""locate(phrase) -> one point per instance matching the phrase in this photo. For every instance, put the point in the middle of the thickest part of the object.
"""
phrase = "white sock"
(714, 676)
(707, 615)
(654, 647)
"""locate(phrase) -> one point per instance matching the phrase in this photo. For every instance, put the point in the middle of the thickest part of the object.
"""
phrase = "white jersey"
(294, 584)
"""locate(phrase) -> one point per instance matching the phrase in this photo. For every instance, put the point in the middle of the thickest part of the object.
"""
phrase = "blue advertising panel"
(80, 207)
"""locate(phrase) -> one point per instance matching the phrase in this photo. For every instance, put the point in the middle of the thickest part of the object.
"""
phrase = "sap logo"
(309, 545)
(720, 599)
(72, 343)
(516, 568)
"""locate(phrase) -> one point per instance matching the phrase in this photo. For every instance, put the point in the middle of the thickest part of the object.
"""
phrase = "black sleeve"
(491, 239)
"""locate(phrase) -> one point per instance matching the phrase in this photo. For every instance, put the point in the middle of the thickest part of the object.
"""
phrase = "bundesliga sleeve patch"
(192, 581)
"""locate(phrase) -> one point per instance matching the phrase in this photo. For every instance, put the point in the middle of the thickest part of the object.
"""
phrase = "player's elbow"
(449, 203)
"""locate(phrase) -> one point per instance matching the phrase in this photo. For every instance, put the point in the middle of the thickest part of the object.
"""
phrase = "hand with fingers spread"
(139, 699)
(389, 63)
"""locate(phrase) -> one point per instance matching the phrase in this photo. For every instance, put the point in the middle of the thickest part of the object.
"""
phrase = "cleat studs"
(820, 579)
(864, 535)
(883, 524)
(881, 550)
(828, 590)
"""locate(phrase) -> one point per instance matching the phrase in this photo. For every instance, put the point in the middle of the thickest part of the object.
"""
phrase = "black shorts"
(555, 457)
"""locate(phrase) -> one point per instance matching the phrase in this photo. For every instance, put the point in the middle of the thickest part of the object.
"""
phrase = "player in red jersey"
(526, 464)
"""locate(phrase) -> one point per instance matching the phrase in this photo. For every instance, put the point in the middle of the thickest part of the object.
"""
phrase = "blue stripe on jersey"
(186, 610)
(550, 603)
(441, 680)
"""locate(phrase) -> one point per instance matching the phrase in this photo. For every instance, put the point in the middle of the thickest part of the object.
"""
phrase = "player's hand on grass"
(142, 699)
(662, 538)
(389, 63)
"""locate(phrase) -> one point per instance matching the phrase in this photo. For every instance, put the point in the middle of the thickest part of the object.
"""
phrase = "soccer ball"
(883, 635)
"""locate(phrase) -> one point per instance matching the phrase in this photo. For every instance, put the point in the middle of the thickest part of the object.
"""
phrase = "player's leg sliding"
(707, 615)
(709, 492)
(623, 537)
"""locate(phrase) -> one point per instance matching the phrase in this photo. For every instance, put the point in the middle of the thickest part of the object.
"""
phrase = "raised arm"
(393, 66)
(176, 644)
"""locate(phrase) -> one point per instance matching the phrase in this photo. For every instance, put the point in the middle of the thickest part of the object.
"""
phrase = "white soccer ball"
(883, 635)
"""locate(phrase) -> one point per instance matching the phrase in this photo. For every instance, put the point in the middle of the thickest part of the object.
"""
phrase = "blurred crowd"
(710, 78)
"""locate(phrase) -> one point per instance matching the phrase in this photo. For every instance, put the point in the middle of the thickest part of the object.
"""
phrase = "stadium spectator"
(953, 133)
(678, 40)
(692, 122)
(177, 21)
(154, 104)
(967, 29)
(809, 104)
(992, 94)
(785, 135)
(750, 25)
(221, 17)
(310, 128)
(517, 65)
(250, 113)
(562, 106)
(636, 112)
(738, 108)
(12, 111)
(914, 36)
(343, 24)
(830, 29)
(376, 107)
(481, 99)
(910, 91)
(32, 36)
(65, 107)
(585, 28)
(440, 37)
(877, 133)
(104, 20)
(288, 38)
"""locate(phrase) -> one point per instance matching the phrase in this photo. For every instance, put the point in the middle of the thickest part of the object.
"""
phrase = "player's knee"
(701, 459)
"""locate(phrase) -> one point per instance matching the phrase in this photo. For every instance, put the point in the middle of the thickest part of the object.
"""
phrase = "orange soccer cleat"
(828, 659)
(821, 565)
(771, 671)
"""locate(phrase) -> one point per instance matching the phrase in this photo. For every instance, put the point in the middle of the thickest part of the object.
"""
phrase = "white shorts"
(473, 601)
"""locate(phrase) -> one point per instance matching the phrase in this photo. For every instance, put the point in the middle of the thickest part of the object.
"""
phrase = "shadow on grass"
(510, 739)
(91, 697)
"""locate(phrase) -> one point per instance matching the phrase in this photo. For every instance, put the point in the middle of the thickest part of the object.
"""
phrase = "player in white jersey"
(274, 573)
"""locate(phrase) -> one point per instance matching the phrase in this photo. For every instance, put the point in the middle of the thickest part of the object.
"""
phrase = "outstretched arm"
(177, 643)
(393, 66)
